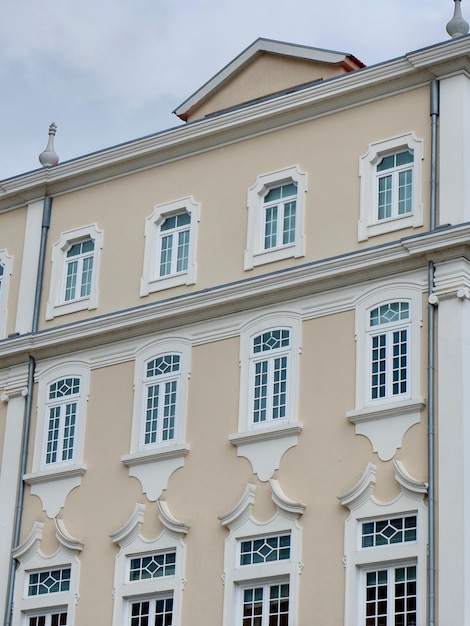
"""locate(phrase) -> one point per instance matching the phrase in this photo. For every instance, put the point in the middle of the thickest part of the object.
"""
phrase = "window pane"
(265, 550)
(71, 280)
(270, 228)
(165, 255)
(183, 251)
(405, 192)
(385, 197)
(389, 531)
(87, 272)
(260, 391)
(288, 233)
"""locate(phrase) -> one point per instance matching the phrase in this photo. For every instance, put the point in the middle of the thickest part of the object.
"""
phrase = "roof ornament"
(457, 25)
(49, 157)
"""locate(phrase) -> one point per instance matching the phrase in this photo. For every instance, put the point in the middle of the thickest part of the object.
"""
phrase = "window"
(46, 587)
(48, 619)
(262, 563)
(275, 217)
(63, 396)
(5, 271)
(49, 581)
(388, 345)
(174, 244)
(390, 174)
(389, 352)
(266, 605)
(74, 275)
(161, 399)
(385, 553)
(395, 185)
(170, 246)
(60, 432)
(268, 422)
(159, 415)
(149, 574)
(78, 270)
(270, 359)
(390, 596)
(156, 611)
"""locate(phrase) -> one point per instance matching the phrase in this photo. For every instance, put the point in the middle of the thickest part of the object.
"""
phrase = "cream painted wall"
(265, 75)
(12, 230)
(327, 149)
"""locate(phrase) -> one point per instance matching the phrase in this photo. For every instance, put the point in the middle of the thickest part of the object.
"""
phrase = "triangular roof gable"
(342, 61)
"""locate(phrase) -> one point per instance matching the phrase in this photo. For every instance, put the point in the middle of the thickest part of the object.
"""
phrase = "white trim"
(265, 444)
(6, 262)
(255, 254)
(29, 267)
(153, 465)
(56, 304)
(364, 506)
(53, 482)
(133, 544)
(150, 280)
(385, 421)
(369, 225)
(32, 559)
(242, 525)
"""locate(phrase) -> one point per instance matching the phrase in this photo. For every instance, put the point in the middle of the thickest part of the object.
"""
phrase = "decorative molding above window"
(276, 207)
(149, 571)
(157, 447)
(385, 541)
(265, 557)
(391, 187)
(58, 465)
(268, 423)
(75, 270)
(388, 400)
(5, 273)
(47, 586)
(170, 246)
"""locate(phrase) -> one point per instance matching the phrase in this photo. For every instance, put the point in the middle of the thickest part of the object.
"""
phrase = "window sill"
(54, 485)
(83, 304)
(290, 251)
(366, 230)
(385, 424)
(165, 282)
(264, 447)
(153, 468)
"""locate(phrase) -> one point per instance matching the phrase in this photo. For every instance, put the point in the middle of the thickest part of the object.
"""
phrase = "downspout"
(46, 221)
(432, 302)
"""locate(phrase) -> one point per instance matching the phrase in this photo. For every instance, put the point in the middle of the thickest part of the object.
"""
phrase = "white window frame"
(133, 544)
(6, 265)
(57, 304)
(248, 358)
(151, 280)
(168, 454)
(242, 526)
(364, 507)
(62, 405)
(52, 482)
(265, 443)
(369, 224)
(31, 559)
(385, 420)
(256, 253)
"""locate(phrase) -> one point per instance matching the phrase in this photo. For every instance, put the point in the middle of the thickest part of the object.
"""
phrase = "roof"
(306, 53)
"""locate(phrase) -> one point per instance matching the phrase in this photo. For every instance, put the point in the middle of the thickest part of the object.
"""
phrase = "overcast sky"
(109, 71)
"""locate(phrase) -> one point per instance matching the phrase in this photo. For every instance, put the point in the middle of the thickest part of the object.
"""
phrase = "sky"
(110, 71)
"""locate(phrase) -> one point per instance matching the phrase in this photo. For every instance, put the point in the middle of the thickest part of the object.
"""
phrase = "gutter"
(46, 221)
(432, 313)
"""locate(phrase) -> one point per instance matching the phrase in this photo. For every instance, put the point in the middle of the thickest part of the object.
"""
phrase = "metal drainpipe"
(432, 309)
(46, 221)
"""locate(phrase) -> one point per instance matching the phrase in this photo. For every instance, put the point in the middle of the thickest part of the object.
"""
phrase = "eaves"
(303, 281)
(324, 98)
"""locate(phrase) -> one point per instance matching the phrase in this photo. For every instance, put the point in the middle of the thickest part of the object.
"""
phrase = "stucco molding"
(131, 529)
(30, 545)
(169, 521)
(153, 469)
(53, 486)
(242, 509)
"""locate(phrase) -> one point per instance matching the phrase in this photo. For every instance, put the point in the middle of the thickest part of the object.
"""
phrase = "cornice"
(269, 289)
(322, 98)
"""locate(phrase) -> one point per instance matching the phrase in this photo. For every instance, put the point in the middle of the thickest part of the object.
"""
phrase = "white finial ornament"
(49, 157)
(457, 25)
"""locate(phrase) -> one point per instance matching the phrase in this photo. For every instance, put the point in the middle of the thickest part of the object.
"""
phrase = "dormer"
(265, 69)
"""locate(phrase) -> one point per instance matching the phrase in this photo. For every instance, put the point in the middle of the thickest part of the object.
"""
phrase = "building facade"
(233, 357)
